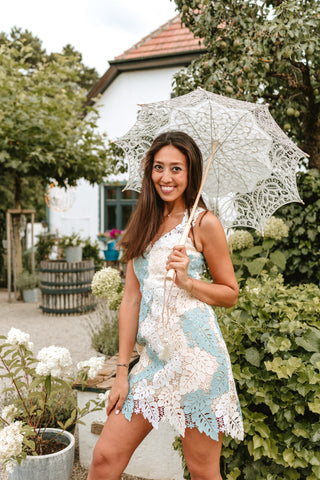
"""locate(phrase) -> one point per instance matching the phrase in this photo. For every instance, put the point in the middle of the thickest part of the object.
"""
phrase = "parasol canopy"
(253, 163)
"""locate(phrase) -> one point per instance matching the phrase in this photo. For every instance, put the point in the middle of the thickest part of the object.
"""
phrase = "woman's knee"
(202, 467)
(104, 460)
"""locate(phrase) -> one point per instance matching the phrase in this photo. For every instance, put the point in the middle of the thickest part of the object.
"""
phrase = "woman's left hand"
(178, 260)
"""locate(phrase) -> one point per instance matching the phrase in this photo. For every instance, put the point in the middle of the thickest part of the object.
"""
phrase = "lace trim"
(177, 230)
(212, 426)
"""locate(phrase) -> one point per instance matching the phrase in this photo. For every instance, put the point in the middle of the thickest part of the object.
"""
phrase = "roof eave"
(141, 63)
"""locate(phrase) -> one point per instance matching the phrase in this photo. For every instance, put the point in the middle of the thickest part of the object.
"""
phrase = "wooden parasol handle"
(184, 236)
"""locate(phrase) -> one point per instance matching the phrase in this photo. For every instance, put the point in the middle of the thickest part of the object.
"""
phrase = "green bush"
(302, 246)
(44, 246)
(27, 281)
(273, 337)
(91, 250)
(103, 327)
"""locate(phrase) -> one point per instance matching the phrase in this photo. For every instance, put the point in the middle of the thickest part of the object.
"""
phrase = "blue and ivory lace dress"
(184, 373)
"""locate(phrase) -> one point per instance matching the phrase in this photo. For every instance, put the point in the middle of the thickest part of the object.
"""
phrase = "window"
(118, 206)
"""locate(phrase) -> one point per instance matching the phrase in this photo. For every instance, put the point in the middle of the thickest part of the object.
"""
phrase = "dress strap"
(196, 215)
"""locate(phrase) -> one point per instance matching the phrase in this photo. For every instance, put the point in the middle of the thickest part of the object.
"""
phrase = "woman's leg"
(117, 442)
(202, 455)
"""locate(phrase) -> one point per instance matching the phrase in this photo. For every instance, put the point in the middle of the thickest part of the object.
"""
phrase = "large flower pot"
(56, 466)
(30, 295)
(73, 254)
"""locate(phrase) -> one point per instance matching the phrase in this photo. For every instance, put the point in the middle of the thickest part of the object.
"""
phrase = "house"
(141, 74)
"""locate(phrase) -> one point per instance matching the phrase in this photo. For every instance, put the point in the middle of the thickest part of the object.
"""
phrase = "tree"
(267, 50)
(43, 132)
(38, 55)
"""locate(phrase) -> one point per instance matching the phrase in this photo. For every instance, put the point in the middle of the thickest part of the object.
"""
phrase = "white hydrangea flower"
(276, 229)
(17, 337)
(103, 397)
(11, 440)
(240, 240)
(8, 413)
(107, 283)
(92, 366)
(55, 361)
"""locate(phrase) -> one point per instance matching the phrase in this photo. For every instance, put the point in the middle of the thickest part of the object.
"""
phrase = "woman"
(184, 372)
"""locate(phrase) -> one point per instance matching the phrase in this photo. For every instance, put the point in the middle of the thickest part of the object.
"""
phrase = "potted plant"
(112, 237)
(91, 250)
(29, 284)
(72, 245)
(30, 450)
(102, 237)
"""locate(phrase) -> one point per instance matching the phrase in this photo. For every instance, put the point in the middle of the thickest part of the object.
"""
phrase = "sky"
(99, 29)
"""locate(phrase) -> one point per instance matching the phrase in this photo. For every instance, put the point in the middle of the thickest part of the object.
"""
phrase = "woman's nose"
(166, 175)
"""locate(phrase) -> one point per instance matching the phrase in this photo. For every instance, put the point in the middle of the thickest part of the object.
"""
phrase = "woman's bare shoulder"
(208, 222)
(208, 230)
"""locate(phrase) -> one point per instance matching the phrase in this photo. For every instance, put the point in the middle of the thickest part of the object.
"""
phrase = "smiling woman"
(184, 373)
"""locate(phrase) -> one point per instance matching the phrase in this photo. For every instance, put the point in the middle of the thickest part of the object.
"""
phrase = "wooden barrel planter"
(66, 287)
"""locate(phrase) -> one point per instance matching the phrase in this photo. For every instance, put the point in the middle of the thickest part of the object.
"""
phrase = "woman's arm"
(211, 240)
(128, 327)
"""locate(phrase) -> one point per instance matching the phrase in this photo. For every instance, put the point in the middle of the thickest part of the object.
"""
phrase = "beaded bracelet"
(123, 365)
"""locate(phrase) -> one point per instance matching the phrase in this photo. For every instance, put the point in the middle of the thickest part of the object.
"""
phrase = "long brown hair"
(146, 219)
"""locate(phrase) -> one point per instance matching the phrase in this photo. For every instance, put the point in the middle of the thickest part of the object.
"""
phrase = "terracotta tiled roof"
(170, 38)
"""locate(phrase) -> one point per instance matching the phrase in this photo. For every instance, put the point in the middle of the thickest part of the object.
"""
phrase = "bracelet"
(123, 365)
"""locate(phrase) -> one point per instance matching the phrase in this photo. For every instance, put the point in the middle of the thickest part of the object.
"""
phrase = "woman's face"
(170, 173)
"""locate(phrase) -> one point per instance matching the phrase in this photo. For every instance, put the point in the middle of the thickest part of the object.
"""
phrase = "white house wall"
(118, 108)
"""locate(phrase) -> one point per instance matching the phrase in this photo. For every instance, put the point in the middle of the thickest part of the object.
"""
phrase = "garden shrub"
(103, 327)
(302, 246)
(91, 250)
(273, 337)
(253, 254)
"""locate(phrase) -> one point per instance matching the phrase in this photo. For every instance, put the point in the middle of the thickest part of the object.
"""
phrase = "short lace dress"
(184, 373)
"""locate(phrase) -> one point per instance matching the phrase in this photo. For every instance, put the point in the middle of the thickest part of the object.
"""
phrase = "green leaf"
(256, 266)
(252, 356)
(48, 385)
(251, 252)
(310, 340)
(278, 259)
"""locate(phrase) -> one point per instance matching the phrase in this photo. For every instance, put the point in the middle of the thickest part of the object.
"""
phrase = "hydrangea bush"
(252, 254)
(273, 337)
(38, 387)
(106, 284)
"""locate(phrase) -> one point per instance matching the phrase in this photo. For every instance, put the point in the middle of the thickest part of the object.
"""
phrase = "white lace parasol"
(253, 170)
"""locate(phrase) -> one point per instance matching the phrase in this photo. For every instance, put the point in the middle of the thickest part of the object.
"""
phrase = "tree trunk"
(17, 248)
(312, 139)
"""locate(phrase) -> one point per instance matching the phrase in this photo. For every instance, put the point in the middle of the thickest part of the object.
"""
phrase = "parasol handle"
(184, 236)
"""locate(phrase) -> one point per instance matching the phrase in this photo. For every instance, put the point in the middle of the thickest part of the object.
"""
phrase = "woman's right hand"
(118, 394)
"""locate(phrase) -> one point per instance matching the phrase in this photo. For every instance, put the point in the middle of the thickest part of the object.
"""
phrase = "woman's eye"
(176, 169)
(157, 167)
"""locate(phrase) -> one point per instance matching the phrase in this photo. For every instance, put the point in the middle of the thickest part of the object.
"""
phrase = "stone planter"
(73, 254)
(30, 295)
(56, 466)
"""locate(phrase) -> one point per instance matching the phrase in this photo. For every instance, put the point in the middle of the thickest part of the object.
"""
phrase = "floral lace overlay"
(184, 373)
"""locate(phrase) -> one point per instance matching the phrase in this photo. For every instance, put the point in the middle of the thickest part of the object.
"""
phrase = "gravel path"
(70, 332)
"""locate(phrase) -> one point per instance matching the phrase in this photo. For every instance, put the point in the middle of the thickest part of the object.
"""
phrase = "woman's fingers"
(116, 399)
(119, 404)
(178, 258)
